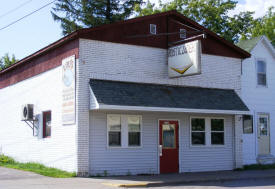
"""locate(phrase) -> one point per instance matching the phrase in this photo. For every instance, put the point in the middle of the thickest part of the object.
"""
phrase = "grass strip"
(256, 167)
(9, 162)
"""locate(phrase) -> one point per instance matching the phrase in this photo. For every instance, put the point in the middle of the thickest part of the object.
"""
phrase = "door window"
(168, 135)
(263, 121)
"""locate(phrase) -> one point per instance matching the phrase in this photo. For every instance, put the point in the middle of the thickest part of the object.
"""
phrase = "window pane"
(114, 138)
(217, 138)
(168, 135)
(217, 125)
(198, 124)
(198, 138)
(47, 124)
(261, 79)
(114, 123)
(261, 67)
(133, 124)
(247, 124)
(263, 126)
(134, 139)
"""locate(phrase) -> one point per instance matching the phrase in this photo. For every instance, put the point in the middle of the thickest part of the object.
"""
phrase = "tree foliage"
(263, 26)
(76, 14)
(212, 14)
(7, 61)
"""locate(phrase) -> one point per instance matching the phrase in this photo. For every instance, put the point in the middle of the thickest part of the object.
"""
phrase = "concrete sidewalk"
(183, 178)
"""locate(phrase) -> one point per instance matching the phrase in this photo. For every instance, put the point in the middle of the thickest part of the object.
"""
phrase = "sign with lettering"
(68, 90)
(185, 59)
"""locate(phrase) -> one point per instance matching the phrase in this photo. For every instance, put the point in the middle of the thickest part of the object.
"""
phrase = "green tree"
(7, 61)
(76, 14)
(212, 14)
(263, 26)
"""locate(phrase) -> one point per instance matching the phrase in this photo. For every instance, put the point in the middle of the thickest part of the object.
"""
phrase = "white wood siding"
(258, 99)
(145, 160)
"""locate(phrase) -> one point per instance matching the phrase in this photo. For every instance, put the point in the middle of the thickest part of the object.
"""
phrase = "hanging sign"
(68, 90)
(185, 59)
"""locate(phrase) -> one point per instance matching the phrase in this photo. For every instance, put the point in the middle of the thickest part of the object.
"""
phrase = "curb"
(138, 185)
(160, 184)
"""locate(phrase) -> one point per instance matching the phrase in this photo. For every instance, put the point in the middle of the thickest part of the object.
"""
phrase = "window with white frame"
(207, 131)
(124, 130)
(198, 131)
(217, 131)
(261, 73)
(114, 130)
(133, 130)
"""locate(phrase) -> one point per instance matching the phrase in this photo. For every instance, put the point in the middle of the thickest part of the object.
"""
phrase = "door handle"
(160, 150)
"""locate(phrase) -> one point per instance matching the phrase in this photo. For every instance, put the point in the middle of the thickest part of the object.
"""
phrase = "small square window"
(198, 138)
(182, 33)
(247, 124)
(47, 119)
(153, 29)
(217, 138)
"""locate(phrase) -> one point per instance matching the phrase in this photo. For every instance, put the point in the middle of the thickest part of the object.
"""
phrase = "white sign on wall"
(184, 59)
(68, 90)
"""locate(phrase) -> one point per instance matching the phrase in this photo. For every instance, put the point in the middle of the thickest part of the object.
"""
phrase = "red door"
(169, 146)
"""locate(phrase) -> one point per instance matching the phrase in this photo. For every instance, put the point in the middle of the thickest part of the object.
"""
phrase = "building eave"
(164, 109)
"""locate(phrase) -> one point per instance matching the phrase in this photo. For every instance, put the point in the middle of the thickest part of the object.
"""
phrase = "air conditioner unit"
(27, 112)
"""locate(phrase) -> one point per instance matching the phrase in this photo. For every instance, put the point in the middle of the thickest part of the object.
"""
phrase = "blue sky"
(39, 29)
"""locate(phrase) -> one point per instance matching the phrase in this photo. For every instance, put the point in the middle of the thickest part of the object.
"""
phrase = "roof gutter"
(168, 109)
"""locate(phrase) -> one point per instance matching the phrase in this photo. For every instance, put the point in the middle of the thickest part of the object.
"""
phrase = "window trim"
(175, 139)
(205, 140)
(267, 115)
(256, 70)
(207, 132)
(244, 133)
(217, 132)
(43, 126)
(140, 119)
(107, 128)
(178, 137)
(124, 132)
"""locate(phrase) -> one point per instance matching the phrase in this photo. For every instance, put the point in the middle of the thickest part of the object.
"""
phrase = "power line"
(12, 10)
(26, 15)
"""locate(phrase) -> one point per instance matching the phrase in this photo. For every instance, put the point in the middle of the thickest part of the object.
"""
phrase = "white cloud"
(258, 6)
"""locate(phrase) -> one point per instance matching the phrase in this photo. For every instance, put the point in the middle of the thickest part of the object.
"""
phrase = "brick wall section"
(238, 141)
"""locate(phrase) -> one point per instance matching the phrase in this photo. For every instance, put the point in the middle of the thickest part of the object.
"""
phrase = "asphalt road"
(237, 184)
(15, 179)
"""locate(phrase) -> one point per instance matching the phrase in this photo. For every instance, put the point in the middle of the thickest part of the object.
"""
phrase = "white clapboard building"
(149, 95)
(258, 92)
